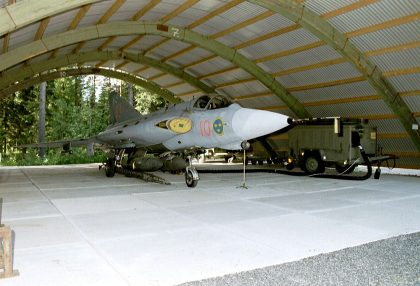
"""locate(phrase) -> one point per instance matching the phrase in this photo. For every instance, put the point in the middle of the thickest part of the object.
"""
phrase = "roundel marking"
(218, 126)
(180, 125)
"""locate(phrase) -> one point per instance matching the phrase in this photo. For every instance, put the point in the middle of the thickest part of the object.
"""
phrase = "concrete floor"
(74, 226)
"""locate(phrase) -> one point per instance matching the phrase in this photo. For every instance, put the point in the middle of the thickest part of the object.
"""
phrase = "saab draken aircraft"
(167, 139)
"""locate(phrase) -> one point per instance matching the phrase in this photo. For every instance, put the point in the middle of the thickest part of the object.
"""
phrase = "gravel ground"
(392, 262)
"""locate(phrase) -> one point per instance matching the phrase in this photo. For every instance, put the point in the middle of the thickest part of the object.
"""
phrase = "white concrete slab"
(74, 226)
(105, 226)
(310, 202)
(64, 265)
(33, 233)
(184, 255)
(101, 204)
(29, 209)
(227, 212)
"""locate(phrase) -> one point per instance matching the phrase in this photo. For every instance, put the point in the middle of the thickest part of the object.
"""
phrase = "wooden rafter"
(165, 19)
(294, 27)
(399, 72)
(348, 8)
(6, 40)
(105, 17)
(393, 49)
(75, 22)
(41, 29)
(202, 20)
(224, 32)
(385, 25)
(140, 13)
(329, 101)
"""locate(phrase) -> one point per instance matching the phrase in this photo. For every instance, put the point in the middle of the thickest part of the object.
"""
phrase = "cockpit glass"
(202, 102)
(214, 102)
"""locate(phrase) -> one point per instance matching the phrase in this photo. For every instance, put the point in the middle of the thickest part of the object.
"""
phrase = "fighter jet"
(167, 139)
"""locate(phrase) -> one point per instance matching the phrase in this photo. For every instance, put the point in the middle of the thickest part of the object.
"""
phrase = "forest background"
(76, 107)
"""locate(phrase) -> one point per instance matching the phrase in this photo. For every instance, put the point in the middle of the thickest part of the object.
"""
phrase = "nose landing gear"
(191, 175)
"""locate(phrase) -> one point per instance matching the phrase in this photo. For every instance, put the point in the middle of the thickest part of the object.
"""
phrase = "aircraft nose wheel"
(191, 177)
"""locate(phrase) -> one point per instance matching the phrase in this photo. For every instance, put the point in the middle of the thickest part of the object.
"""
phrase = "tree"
(41, 117)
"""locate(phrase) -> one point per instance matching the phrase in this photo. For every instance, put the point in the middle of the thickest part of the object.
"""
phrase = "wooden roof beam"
(105, 17)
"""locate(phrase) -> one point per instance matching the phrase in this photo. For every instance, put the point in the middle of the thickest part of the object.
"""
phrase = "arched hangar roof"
(358, 58)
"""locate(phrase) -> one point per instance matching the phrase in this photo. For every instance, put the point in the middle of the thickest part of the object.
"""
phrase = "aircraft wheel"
(189, 179)
(110, 167)
(312, 164)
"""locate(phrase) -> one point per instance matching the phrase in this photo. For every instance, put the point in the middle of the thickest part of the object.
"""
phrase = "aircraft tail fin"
(120, 110)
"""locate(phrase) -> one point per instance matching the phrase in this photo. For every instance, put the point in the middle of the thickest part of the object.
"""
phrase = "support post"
(41, 122)
(6, 255)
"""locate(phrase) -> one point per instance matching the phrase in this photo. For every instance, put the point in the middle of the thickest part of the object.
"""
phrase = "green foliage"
(146, 103)
(76, 107)
(54, 157)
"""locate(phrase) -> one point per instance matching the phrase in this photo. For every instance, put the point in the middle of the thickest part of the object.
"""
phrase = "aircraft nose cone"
(251, 123)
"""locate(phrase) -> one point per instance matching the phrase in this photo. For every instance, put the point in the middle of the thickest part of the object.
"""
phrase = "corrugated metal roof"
(191, 57)
(376, 13)
(23, 36)
(95, 13)
(331, 73)
(305, 58)
(169, 48)
(387, 125)
(262, 102)
(398, 60)
(246, 88)
(351, 109)
(166, 80)
(405, 82)
(210, 66)
(399, 144)
(389, 37)
(413, 102)
(288, 41)
(349, 90)
(60, 23)
(145, 43)
(321, 6)
(182, 88)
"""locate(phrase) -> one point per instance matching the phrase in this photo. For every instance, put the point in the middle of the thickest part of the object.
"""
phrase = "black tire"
(312, 164)
(189, 179)
(254, 162)
(110, 168)
(290, 166)
(260, 162)
(343, 169)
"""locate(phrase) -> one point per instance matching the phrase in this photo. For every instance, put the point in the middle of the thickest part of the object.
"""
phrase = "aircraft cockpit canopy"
(209, 102)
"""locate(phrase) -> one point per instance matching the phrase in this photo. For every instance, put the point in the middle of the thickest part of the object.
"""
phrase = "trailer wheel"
(312, 164)
(290, 166)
